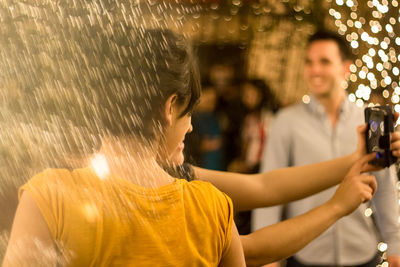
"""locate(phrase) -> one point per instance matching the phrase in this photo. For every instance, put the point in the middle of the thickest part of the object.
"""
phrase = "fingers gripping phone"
(380, 125)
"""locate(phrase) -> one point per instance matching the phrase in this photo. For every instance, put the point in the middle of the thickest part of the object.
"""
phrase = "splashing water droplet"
(100, 166)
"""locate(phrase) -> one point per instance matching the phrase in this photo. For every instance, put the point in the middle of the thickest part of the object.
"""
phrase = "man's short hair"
(324, 35)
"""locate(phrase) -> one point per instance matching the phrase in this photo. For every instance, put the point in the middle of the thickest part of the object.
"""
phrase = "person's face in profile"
(175, 134)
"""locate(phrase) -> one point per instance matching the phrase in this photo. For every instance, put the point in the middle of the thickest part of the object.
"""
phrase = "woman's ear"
(169, 108)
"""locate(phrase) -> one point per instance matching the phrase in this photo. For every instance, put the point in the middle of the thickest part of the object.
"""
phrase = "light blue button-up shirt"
(303, 134)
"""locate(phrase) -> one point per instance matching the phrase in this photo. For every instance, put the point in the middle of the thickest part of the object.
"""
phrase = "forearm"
(281, 240)
(293, 183)
(30, 243)
(237, 186)
(386, 207)
(30, 252)
(278, 186)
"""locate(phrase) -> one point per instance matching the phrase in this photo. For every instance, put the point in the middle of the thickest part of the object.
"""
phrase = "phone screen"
(375, 131)
(380, 125)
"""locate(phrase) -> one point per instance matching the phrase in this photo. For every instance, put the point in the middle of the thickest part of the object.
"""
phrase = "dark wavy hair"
(111, 80)
(141, 69)
(267, 97)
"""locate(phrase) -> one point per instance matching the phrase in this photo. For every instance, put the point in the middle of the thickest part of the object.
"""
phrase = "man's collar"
(316, 107)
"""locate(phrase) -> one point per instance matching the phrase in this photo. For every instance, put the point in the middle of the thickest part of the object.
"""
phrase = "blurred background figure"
(258, 105)
(205, 145)
(229, 109)
(221, 76)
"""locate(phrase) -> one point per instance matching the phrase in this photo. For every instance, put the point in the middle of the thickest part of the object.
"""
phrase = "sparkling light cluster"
(369, 27)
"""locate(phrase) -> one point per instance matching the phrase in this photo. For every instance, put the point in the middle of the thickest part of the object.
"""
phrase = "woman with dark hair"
(124, 209)
(259, 106)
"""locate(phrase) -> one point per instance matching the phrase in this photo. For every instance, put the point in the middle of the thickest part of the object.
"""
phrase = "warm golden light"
(382, 247)
(100, 166)
(91, 212)
(368, 212)
(352, 97)
(306, 99)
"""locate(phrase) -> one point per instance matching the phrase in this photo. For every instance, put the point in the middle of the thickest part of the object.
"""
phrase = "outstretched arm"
(287, 184)
(234, 255)
(30, 240)
(283, 239)
(278, 186)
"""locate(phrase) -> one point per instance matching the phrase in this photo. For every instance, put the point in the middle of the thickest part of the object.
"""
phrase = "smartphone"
(380, 124)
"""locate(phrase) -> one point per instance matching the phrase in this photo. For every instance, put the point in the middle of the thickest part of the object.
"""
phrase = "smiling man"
(318, 131)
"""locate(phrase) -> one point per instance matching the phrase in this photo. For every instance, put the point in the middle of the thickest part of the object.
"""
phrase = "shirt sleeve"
(44, 188)
(276, 155)
(386, 206)
(228, 215)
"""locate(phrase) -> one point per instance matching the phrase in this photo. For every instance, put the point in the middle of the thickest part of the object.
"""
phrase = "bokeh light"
(379, 58)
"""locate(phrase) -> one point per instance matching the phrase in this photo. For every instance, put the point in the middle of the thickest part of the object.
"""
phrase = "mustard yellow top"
(113, 222)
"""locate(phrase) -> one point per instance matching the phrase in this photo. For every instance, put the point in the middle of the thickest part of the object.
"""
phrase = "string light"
(370, 76)
(369, 26)
(306, 99)
(375, 42)
(368, 212)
